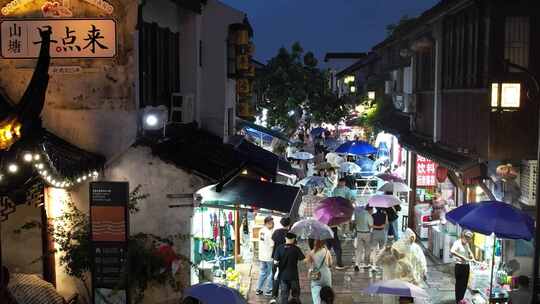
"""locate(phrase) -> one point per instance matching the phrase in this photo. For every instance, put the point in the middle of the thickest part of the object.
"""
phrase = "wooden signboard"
(109, 218)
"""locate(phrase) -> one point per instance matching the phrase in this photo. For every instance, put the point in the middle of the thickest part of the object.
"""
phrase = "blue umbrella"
(209, 293)
(357, 147)
(331, 143)
(313, 182)
(367, 166)
(317, 131)
(501, 219)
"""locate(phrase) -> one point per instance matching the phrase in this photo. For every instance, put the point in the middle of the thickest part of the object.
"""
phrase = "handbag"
(315, 274)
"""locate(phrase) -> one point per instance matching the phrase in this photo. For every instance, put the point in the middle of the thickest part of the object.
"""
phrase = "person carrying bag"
(320, 275)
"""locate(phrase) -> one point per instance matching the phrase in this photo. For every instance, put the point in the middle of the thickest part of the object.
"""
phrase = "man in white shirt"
(462, 256)
(266, 246)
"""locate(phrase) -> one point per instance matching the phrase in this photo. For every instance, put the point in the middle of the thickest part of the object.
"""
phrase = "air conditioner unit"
(182, 108)
(527, 181)
(389, 86)
(409, 103)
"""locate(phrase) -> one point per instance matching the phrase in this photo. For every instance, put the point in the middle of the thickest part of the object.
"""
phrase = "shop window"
(159, 64)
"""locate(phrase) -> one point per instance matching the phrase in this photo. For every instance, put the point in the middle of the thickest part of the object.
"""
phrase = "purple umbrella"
(389, 177)
(333, 211)
(397, 288)
(383, 201)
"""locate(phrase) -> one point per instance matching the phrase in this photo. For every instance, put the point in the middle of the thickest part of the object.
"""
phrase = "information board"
(109, 234)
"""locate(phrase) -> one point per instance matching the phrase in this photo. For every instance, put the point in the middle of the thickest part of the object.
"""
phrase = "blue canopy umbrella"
(501, 219)
(331, 143)
(367, 166)
(493, 217)
(356, 147)
(317, 131)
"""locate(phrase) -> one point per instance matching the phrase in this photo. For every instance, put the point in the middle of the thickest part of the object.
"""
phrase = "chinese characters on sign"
(425, 172)
(71, 38)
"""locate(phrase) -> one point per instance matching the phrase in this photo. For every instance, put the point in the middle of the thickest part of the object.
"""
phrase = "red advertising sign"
(426, 172)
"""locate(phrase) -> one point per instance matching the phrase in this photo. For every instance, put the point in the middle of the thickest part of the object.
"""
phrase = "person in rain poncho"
(394, 266)
(413, 254)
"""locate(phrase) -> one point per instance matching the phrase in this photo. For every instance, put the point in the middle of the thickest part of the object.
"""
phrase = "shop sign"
(109, 231)
(71, 38)
(425, 172)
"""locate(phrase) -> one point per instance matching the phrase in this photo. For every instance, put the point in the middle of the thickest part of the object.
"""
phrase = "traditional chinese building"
(111, 62)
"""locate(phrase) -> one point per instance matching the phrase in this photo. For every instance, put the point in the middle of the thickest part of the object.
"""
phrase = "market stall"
(226, 225)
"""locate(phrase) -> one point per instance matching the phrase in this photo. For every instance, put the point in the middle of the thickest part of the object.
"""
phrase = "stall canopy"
(266, 160)
(244, 124)
(251, 192)
(193, 149)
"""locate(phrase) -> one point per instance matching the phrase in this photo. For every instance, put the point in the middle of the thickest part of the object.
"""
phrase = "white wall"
(218, 92)
(21, 252)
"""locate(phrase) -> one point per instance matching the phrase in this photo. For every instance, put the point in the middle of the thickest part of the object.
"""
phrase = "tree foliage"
(293, 82)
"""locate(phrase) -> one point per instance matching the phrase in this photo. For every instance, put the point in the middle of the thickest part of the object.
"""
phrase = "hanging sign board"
(426, 172)
(71, 38)
(109, 233)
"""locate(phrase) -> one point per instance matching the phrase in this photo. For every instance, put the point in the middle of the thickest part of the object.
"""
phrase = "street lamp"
(154, 118)
(371, 95)
(511, 95)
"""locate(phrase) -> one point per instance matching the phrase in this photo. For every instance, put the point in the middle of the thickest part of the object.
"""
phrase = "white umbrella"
(302, 155)
(330, 156)
(312, 229)
(348, 167)
(394, 187)
(383, 201)
(397, 288)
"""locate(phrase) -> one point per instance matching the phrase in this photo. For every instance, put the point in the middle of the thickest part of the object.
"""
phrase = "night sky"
(323, 25)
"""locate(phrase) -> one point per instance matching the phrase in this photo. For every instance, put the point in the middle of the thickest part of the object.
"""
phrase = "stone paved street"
(348, 284)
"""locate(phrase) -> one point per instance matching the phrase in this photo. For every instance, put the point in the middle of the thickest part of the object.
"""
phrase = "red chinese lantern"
(441, 173)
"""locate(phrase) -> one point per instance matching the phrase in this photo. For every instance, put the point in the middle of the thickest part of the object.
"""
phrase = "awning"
(242, 124)
(251, 192)
(45, 156)
(394, 123)
(455, 161)
(270, 162)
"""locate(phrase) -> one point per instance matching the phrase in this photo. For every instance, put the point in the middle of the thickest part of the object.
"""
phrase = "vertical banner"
(426, 172)
(109, 232)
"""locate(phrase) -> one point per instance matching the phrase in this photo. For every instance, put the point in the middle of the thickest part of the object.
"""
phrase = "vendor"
(462, 256)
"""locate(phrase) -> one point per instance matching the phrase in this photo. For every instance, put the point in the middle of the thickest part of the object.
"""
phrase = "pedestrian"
(364, 224)
(393, 216)
(343, 191)
(294, 301)
(414, 255)
(462, 256)
(279, 239)
(287, 258)
(327, 295)
(266, 246)
(378, 235)
(523, 293)
(320, 274)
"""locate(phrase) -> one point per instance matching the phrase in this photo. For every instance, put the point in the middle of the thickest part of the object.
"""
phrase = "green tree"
(292, 83)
